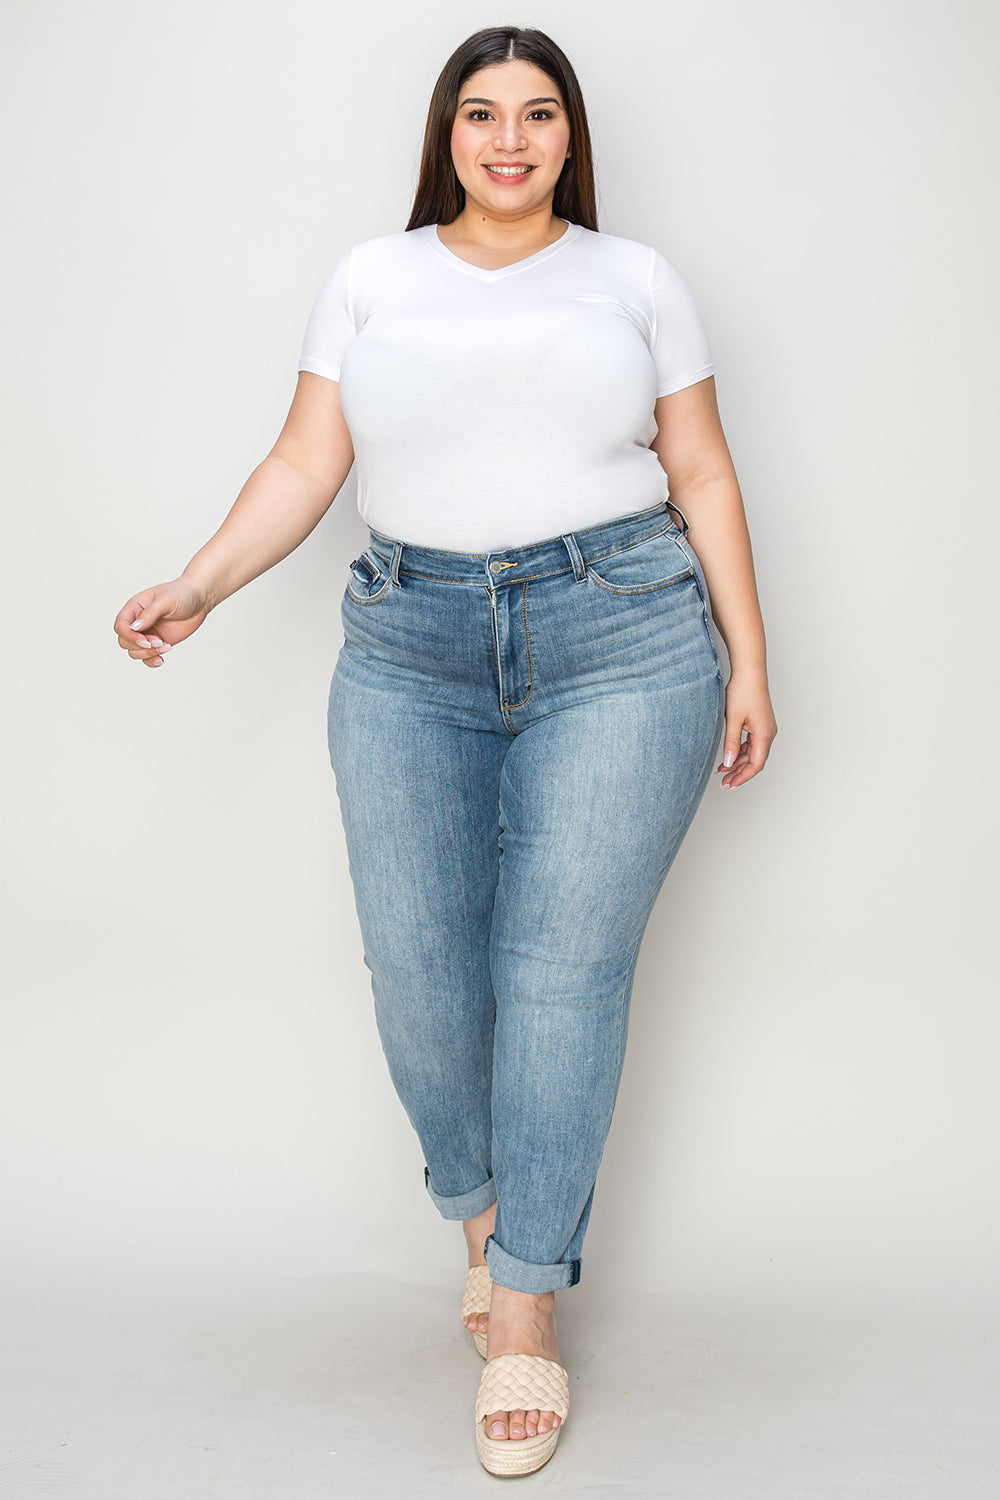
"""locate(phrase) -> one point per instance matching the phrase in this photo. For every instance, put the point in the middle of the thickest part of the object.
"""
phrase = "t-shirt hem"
(682, 381)
(320, 367)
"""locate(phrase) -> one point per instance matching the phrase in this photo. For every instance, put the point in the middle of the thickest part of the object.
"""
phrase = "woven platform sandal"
(516, 1382)
(478, 1288)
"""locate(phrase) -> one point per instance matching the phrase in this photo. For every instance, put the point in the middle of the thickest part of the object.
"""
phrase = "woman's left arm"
(692, 448)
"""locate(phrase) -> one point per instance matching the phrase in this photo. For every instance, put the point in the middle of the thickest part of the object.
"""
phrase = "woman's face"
(509, 114)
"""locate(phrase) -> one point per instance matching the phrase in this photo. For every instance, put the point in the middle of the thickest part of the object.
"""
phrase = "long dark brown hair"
(440, 197)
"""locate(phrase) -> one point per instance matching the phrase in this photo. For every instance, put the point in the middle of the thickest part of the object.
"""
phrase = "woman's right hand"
(277, 508)
(153, 621)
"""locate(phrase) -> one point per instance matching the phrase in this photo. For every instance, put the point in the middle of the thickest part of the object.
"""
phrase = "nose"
(508, 136)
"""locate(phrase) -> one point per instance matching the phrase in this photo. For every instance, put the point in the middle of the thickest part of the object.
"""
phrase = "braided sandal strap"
(523, 1382)
(478, 1290)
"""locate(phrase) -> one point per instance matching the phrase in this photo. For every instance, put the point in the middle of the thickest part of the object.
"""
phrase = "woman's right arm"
(282, 501)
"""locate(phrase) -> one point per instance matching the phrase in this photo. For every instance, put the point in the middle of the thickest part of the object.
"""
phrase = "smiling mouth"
(498, 170)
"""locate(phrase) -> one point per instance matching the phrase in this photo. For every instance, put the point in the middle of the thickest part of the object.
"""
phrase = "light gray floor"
(356, 1386)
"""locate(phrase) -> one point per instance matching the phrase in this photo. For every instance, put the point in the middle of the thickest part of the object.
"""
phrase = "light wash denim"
(520, 740)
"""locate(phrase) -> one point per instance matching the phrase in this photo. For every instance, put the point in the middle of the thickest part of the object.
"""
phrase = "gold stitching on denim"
(641, 588)
(495, 632)
(374, 570)
(436, 578)
(548, 572)
(372, 598)
(372, 564)
(527, 642)
(635, 542)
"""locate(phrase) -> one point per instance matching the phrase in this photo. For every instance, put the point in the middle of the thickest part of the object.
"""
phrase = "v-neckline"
(430, 231)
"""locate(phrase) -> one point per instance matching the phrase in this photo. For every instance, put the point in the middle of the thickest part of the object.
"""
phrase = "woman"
(528, 702)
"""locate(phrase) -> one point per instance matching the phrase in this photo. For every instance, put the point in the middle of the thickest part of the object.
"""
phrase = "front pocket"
(368, 580)
(653, 563)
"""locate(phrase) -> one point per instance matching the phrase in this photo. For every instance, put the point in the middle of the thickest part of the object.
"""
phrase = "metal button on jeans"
(496, 567)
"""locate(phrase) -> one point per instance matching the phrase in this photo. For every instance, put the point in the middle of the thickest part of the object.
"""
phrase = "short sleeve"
(330, 330)
(679, 344)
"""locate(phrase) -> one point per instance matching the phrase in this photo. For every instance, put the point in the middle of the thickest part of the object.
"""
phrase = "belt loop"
(575, 556)
(671, 506)
(397, 553)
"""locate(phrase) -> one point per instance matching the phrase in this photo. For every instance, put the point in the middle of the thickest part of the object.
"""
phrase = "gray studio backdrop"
(191, 1071)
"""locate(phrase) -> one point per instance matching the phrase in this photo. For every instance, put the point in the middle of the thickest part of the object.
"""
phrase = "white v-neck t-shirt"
(492, 409)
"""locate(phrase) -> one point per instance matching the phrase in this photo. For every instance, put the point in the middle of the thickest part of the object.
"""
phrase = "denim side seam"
(706, 603)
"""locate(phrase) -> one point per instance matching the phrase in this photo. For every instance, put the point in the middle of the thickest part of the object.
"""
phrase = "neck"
(476, 225)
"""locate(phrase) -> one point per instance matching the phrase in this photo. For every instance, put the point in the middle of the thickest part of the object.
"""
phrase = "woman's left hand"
(748, 711)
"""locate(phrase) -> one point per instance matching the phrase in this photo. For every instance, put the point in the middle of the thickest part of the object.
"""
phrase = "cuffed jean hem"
(465, 1205)
(526, 1275)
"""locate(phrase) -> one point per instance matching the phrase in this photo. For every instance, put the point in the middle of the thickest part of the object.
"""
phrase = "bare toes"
(518, 1424)
(496, 1424)
(515, 1423)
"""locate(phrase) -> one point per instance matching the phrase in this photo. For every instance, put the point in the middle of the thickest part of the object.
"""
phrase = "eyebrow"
(493, 102)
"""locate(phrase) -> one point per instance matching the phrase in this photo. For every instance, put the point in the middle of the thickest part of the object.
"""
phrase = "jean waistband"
(572, 549)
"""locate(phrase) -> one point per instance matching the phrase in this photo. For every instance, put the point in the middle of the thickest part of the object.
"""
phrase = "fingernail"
(165, 647)
(728, 758)
(136, 624)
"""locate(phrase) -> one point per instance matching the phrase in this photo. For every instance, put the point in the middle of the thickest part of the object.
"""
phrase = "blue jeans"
(520, 740)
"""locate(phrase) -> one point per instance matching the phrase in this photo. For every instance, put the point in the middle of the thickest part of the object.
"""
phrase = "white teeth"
(509, 171)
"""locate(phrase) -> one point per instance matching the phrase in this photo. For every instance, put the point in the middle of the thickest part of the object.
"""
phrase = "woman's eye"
(546, 112)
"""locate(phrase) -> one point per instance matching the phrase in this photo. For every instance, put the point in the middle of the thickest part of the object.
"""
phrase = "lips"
(515, 173)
